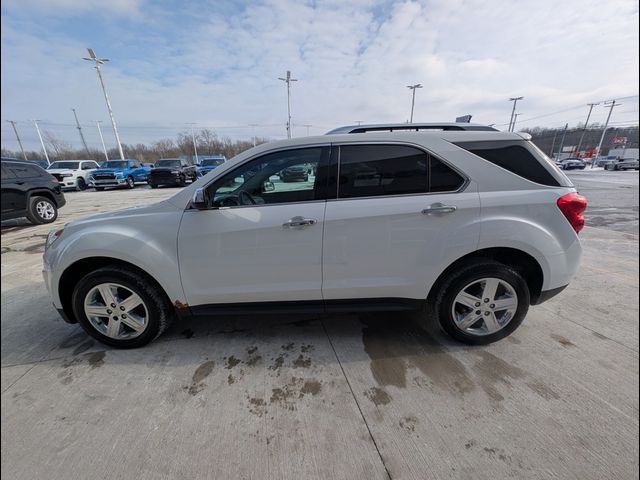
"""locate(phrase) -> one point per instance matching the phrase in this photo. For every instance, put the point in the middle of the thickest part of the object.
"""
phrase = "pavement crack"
(355, 399)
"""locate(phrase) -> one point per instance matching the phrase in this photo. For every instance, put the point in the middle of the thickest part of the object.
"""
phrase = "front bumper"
(165, 180)
(118, 182)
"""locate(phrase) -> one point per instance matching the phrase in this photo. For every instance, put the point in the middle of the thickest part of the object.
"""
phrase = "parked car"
(207, 164)
(29, 191)
(572, 164)
(172, 171)
(119, 173)
(150, 165)
(73, 174)
(41, 163)
(468, 222)
(623, 164)
(295, 172)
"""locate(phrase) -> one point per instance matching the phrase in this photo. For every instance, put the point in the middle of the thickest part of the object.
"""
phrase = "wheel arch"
(41, 193)
(77, 270)
(522, 262)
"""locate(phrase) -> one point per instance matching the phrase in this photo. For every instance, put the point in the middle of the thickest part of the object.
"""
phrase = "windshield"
(69, 165)
(115, 164)
(212, 162)
(168, 163)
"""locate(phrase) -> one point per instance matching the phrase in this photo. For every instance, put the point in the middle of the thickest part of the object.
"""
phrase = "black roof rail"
(391, 127)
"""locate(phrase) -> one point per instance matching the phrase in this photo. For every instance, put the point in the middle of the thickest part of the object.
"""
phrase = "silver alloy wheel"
(116, 311)
(484, 306)
(45, 210)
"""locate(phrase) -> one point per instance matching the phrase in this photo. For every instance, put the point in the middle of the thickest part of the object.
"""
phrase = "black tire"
(130, 182)
(476, 270)
(159, 311)
(37, 215)
(99, 189)
(82, 185)
(153, 185)
(182, 182)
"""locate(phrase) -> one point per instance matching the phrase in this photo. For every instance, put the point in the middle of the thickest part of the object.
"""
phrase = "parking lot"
(349, 396)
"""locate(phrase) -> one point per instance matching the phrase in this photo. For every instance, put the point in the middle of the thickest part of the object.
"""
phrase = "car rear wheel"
(482, 302)
(120, 307)
(41, 210)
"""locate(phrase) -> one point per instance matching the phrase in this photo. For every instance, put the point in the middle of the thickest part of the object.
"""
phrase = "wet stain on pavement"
(302, 362)
(232, 362)
(197, 380)
(96, 359)
(565, 342)
(493, 371)
(378, 396)
(408, 423)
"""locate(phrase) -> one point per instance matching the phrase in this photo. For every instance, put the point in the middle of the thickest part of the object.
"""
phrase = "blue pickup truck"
(119, 173)
(210, 163)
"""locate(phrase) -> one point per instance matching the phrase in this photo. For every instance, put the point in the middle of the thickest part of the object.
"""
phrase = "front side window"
(282, 177)
(374, 170)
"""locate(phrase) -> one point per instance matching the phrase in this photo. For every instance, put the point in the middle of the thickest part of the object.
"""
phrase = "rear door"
(400, 217)
(21, 177)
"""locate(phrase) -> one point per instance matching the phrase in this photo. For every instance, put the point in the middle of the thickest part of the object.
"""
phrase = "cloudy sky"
(216, 63)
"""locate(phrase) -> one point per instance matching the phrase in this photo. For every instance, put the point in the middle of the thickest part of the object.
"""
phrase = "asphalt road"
(350, 396)
(612, 197)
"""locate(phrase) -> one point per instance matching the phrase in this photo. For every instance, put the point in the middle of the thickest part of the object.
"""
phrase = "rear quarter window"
(25, 170)
(517, 158)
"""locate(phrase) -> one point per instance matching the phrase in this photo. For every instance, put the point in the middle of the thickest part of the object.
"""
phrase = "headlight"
(119, 175)
(65, 175)
(53, 236)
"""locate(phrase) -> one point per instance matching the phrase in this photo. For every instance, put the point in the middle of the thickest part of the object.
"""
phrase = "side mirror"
(268, 187)
(199, 199)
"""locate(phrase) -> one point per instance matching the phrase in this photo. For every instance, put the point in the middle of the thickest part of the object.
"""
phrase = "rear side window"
(374, 170)
(515, 157)
(6, 173)
(24, 171)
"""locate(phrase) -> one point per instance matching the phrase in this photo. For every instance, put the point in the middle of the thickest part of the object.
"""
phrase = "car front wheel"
(130, 182)
(482, 302)
(120, 307)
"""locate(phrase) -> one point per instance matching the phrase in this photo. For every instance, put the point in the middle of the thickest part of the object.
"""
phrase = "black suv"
(172, 171)
(29, 191)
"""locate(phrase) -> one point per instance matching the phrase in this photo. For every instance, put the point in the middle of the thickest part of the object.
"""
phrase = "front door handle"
(438, 209)
(299, 222)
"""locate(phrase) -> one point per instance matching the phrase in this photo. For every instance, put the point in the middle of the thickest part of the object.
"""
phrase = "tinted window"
(168, 163)
(443, 178)
(115, 164)
(68, 165)
(374, 170)
(281, 177)
(514, 157)
(6, 173)
(24, 170)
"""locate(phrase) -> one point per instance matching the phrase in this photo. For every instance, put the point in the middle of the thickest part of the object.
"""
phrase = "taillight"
(572, 207)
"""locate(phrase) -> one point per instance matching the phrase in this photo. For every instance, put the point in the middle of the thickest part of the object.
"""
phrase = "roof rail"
(391, 127)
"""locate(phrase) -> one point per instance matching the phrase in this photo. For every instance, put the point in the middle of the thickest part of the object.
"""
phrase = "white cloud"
(352, 61)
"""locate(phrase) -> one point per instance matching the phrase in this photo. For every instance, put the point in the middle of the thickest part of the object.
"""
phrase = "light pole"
(514, 100)
(193, 139)
(98, 62)
(288, 81)
(515, 119)
(104, 147)
(604, 130)
(253, 132)
(413, 97)
(584, 130)
(564, 133)
(35, 122)
(13, 124)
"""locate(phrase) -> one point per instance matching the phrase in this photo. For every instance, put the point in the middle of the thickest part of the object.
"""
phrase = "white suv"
(73, 174)
(474, 223)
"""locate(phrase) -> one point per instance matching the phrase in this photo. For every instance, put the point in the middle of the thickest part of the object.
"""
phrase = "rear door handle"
(438, 209)
(298, 222)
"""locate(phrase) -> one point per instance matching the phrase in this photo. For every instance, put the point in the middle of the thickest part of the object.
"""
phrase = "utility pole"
(514, 100)
(98, 62)
(553, 143)
(13, 124)
(288, 81)
(253, 132)
(84, 142)
(104, 147)
(35, 122)
(564, 133)
(604, 130)
(413, 98)
(193, 139)
(586, 124)
(359, 122)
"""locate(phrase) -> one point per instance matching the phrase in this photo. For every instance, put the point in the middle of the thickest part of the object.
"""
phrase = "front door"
(261, 238)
